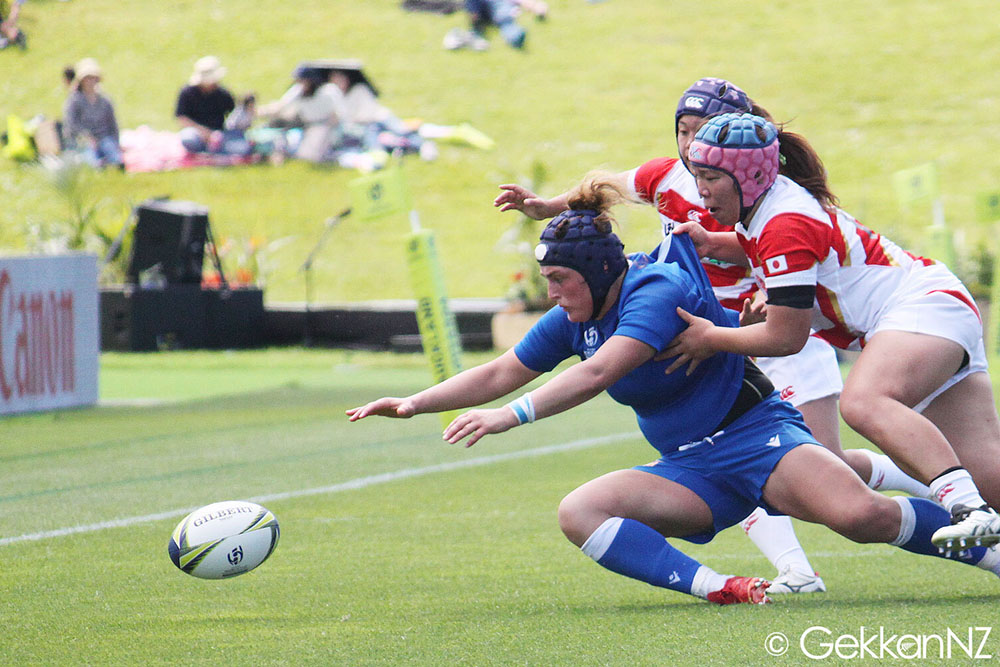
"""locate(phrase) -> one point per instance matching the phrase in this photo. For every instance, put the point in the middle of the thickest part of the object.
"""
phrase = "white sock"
(599, 541)
(706, 580)
(956, 488)
(991, 561)
(775, 538)
(907, 522)
(887, 476)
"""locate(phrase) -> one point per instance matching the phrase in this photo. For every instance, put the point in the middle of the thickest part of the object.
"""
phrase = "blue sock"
(920, 519)
(638, 551)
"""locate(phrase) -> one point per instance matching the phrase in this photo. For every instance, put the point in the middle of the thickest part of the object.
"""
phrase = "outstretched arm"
(475, 386)
(516, 197)
(519, 198)
(576, 385)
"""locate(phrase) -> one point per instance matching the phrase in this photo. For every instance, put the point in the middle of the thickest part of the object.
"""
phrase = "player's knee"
(575, 519)
(866, 520)
(856, 409)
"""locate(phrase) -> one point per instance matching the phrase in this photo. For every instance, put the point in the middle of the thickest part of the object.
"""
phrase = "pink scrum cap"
(743, 146)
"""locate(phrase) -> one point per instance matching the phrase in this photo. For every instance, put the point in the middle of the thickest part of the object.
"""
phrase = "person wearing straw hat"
(202, 107)
(89, 122)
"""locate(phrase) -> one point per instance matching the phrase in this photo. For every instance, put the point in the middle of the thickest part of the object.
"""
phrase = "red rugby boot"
(751, 590)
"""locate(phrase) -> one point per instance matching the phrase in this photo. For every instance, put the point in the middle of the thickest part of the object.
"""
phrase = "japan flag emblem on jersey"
(776, 265)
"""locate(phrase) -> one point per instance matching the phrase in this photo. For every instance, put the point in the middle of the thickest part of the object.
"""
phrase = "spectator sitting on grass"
(202, 107)
(89, 122)
(317, 107)
(369, 121)
(243, 115)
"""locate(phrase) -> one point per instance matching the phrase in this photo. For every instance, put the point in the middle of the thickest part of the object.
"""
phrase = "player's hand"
(474, 424)
(401, 408)
(691, 345)
(754, 311)
(516, 197)
(698, 234)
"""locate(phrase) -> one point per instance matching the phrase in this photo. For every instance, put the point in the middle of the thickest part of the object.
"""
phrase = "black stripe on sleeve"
(793, 296)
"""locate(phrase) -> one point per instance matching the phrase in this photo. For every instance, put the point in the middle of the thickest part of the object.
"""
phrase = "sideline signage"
(435, 321)
(49, 341)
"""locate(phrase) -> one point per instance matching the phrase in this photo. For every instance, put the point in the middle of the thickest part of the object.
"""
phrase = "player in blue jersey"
(727, 442)
(810, 380)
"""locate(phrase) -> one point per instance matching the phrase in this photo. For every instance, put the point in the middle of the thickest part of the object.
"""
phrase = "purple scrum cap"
(709, 97)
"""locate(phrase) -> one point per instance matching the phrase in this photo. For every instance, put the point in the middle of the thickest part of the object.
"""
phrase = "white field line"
(134, 402)
(350, 485)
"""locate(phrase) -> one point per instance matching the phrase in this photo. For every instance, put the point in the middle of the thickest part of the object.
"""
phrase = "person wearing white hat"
(202, 107)
(89, 122)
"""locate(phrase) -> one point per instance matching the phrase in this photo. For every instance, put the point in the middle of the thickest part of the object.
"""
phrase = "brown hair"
(800, 162)
(597, 192)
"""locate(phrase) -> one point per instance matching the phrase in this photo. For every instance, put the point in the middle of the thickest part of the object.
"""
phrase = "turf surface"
(396, 548)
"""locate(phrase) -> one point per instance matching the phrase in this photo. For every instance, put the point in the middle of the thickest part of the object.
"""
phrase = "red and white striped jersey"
(792, 240)
(669, 186)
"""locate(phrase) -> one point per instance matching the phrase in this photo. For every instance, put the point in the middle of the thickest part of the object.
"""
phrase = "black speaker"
(171, 234)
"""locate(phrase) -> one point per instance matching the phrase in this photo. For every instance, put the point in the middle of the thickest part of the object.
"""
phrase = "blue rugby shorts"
(728, 470)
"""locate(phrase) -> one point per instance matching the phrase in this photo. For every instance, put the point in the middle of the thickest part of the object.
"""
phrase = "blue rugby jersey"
(671, 409)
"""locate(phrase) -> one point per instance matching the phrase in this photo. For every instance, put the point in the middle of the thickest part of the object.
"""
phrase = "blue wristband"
(524, 409)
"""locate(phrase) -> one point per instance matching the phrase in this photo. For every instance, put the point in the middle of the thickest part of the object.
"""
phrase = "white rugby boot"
(970, 527)
(796, 581)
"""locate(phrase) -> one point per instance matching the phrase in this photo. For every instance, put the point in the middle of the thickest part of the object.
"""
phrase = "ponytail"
(597, 192)
(800, 162)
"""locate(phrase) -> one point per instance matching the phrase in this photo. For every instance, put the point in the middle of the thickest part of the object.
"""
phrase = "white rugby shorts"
(933, 301)
(808, 375)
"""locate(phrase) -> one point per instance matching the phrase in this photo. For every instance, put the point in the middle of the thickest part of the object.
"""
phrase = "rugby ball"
(223, 540)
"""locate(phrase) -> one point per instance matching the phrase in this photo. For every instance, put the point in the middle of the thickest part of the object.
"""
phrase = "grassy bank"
(876, 88)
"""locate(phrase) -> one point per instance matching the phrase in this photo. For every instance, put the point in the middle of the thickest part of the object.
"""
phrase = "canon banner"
(49, 337)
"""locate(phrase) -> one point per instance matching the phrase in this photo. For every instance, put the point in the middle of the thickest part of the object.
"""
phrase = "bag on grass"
(47, 138)
(19, 143)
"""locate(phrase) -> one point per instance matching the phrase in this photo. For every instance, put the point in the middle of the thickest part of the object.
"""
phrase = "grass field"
(876, 87)
(396, 548)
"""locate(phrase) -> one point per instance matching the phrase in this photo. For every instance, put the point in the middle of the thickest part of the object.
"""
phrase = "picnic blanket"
(146, 150)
